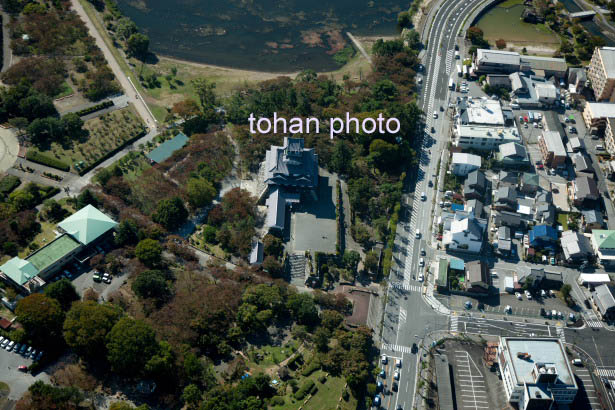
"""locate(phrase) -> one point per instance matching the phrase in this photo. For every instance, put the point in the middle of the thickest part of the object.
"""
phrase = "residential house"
(475, 185)
(543, 236)
(540, 279)
(505, 198)
(504, 241)
(604, 302)
(603, 244)
(477, 277)
(582, 163)
(583, 190)
(576, 247)
(462, 164)
(532, 91)
(510, 219)
(592, 219)
(507, 178)
(601, 73)
(529, 183)
(513, 155)
(552, 149)
(474, 207)
(498, 80)
(466, 234)
(545, 213)
(577, 78)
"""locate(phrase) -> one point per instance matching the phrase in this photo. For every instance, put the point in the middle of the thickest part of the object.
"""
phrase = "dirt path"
(359, 46)
(273, 370)
(124, 81)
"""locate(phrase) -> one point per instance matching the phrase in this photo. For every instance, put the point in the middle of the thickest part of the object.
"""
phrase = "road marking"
(396, 348)
(560, 333)
(454, 323)
(405, 286)
(594, 323)
(606, 372)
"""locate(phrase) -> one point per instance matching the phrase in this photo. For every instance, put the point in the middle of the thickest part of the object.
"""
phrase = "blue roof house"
(543, 236)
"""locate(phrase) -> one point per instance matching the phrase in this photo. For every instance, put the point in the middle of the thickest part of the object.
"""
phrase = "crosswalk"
(606, 372)
(396, 348)
(454, 323)
(561, 334)
(449, 61)
(594, 323)
(406, 286)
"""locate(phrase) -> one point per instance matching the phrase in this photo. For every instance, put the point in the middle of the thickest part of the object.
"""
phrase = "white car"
(518, 295)
(5, 343)
(543, 293)
(435, 114)
(418, 234)
(396, 375)
(422, 262)
(384, 359)
(528, 295)
(508, 309)
(397, 362)
(421, 277)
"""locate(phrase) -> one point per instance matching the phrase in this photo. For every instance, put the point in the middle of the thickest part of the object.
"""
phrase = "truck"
(451, 84)
(459, 72)
(465, 71)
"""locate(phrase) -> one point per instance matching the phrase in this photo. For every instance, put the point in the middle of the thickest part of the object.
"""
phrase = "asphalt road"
(408, 318)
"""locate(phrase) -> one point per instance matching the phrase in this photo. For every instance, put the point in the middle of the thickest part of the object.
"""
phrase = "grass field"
(562, 219)
(66, 90)
(133, 165)
(106, 133)
(327, 396)
(271, 356)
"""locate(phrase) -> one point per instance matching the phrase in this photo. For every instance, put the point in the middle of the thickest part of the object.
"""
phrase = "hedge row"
(43, 159)
(8, 184)
(95, 108)
(311, 368)
(305, 389)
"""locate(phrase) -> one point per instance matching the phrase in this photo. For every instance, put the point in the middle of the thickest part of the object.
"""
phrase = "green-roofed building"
(80, 232)
(167, 148)
(442, 280)
(603, 242)
(87, 224)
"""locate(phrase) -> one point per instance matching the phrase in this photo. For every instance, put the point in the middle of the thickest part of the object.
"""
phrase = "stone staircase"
(296, 263)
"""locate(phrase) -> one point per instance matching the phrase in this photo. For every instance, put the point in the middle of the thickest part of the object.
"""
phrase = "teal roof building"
(87, 224)
(167, 148)
(19, 270)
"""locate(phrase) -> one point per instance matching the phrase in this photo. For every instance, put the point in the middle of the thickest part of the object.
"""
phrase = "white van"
(577, 362)
(422, 262)
(423, 196)
(418, 234)
(600, 147)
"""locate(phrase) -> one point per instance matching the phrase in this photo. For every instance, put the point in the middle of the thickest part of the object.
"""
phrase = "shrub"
(95, 108)
(44, 159)
(310, 368)
(277, 401)
(322, 379)
(8, 184)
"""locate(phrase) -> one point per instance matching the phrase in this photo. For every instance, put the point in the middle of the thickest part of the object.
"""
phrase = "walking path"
(124, 81)
(359, 46)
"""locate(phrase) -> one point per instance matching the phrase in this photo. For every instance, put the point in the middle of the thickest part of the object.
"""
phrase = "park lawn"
(562, 219)
(509, 3)
(106, 133)
(272, 356)
(327, 396)
(133, 165)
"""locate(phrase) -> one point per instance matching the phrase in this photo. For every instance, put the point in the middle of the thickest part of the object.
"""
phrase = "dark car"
(394, 387)
(543, 312)
(587, 304)
(433, 130)
(481, 306)
(430, 183)
(415, 348)
(23, 368)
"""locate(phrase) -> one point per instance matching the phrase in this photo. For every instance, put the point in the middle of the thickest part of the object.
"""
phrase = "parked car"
(384, 359)
(528, 295)
(16, 347)
(107, 278)
(398, 363)
(423, 252)
(551, 293)
(543, 293)
(508, 309)
(33, 354)
(396, 375)
(543, 312)
(518, 295)
(383, 374)
(421, 277)
(96, 277)
(5, 343)
(394, 387)
(10, 346)
(39, 356)
(23, 349)
(577, 362)
(23, 368)
(422, 262)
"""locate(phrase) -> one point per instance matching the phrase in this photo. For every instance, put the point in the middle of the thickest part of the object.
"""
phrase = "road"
(124, 81)
(408, 318)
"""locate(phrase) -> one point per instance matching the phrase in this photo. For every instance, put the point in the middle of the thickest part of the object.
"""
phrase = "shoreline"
(270, 74)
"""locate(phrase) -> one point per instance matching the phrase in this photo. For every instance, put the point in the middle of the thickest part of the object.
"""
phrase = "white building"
(462, 164)
(484, 138)
(465, 234)
(536, 372)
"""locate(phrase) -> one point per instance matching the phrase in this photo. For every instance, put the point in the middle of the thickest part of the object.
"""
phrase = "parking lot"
(475, 386)
(18, 381)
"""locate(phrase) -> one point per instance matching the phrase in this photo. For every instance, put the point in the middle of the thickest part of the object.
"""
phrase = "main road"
(408, 318)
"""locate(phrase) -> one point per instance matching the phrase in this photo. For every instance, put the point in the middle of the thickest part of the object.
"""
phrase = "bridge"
(588, 14)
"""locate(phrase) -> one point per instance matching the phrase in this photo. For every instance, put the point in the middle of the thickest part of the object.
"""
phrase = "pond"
(267, 35)
(506, 23)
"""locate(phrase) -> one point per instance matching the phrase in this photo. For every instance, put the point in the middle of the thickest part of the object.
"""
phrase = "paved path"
(7, 53)
(124, 81)
(359, 46)
(9, 148)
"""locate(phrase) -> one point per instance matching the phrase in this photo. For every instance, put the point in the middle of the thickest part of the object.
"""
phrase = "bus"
(459, 72)
(451, 84)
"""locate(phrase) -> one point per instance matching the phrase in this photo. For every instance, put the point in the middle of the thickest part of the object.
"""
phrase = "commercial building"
(552, 149)
(480, 111)
(596, 115)
(462, 164)
(544, 66)
(290, 173)
(79, 233)
(536, 372)
(601, 73)
(497, 61)
(603, 244)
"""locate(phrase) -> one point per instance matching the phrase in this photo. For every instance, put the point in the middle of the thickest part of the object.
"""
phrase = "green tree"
(127, 233)
(86, 198)
(371, 262)
(125, 28)
(209, 234)
(41, 317)
(121, 405)
(138, 45)
(273, 267)
(331, 319)
(42, 396)
(566, 289)
(192, 396)
(341, 158)
(22, 200)
(73, 126)
(151, 284)
(321, 339)
(130, 345)
(53, 210)
(200, 192)
(170, 213)
(303, 308)
(404, 20)
(272, 245)
(351, 259)
(87, 325)
(204, 89)
(149, 252)
(161, 367)
(63, 291)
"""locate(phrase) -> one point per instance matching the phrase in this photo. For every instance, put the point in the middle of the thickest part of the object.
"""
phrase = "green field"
(562, 219)
(106, 133)
(327, 396)
(504, 21)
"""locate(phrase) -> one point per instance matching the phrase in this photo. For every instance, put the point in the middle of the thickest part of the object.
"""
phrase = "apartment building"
(596, 115)
(552, 149)
(601, 73)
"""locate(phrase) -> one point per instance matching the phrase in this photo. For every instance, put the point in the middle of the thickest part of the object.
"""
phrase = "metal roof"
(603, 297)
(544, 63)
(87, 224)
(601, 110)
(553, 141)
(167, 148)
(19, 270)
